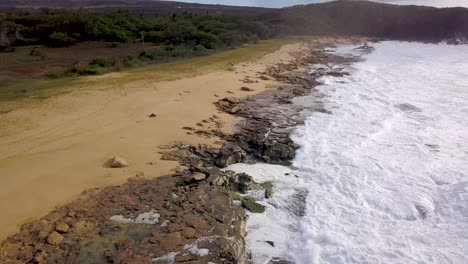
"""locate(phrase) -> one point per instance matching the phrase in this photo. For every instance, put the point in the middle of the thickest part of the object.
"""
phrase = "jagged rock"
(241, 182)
(279, 153)
(189, 233)
(81, 227)
(232, 100)
(217, 179)
(228, 155)
(180, 155)
(234, 110)
(55, 238)
(250, 204)
(172, 241)
(223, 104)
(119, 162)
(40, 257)
(268, 189)
(271, 243)
(236, 197)
(62, 227)
(246, 89)
(11, 250)
(196, 177)
(43, 234)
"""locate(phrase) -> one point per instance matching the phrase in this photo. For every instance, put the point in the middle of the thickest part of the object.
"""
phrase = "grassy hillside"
(370, 19)
(133, 6)
(126, 39)
(332, 18)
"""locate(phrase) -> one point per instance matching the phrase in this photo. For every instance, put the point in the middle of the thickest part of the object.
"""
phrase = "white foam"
(195, 250)
(148, 218)
(169, 258)
(385, 182)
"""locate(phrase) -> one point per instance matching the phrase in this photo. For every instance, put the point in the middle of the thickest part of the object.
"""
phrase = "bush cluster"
(64, 28)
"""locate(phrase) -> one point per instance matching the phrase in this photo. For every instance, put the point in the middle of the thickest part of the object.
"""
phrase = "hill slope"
(345, 17)
(371, 19)
(134, 6)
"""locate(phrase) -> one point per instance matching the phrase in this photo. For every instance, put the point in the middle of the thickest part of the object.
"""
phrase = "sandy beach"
(51, 150)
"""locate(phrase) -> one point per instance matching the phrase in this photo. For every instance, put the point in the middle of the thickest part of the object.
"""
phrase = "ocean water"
(384, 177)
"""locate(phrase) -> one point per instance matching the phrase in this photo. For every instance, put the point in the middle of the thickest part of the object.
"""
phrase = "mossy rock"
(250, 204)
(235, 196)
(268, 186)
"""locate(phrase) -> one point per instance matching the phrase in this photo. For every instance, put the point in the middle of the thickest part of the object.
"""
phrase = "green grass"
(15, 89)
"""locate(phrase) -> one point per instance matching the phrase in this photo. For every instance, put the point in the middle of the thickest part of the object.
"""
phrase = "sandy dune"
(53, 150)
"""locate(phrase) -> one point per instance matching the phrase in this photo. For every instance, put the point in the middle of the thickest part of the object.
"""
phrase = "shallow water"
(384, 178)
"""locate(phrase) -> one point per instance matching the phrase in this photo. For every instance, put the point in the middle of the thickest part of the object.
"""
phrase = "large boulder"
(195, 178)
(228, 155)
(62, 227)
(241, 183)
(55, 238)
(119, 162)
(250, 204)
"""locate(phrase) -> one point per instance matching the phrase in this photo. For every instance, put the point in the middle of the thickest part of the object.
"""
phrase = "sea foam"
(384, 177)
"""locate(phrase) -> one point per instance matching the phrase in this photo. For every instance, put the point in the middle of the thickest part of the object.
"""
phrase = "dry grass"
(13, 89)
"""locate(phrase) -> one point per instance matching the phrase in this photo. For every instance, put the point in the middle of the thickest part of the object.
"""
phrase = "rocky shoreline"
(191, 216)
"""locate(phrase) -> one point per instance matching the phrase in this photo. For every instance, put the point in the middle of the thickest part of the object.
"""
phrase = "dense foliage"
(62, 29)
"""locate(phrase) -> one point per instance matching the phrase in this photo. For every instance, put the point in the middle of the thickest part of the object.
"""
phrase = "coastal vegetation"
(93, 39)
(147, 38)
(13, 88)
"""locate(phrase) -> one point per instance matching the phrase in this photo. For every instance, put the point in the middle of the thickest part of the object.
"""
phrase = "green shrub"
(60, 39)
(38, 53)
(180, 51)
(82, 69)
(90, 71)
(101, 62)
(129, 60)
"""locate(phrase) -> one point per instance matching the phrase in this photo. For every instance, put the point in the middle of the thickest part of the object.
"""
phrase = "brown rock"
(13, 262)
(234, 110)
(55, 238)
(196, 177)
(232, 100)
(172, 241)
(10, 250)
(26, 254)
(43, 234)
(173, 227)
(40, 257)
(119, 162)
(189, 233)
(62, 227)
(81, 227)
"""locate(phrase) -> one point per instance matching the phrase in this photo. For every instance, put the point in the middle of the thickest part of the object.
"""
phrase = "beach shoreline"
(69, 137)
(191, 148)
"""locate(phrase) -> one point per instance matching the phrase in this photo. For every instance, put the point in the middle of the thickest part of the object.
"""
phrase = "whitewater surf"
(382, 175)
